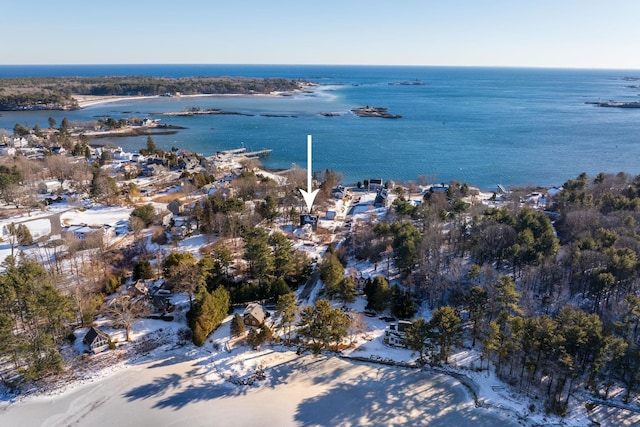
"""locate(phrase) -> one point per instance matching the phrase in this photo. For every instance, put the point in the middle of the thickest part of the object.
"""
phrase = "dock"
(242, 152)
(235, 152)
(257, 154)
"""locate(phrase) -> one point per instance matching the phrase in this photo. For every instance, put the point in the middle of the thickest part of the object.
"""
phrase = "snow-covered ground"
(220, 384)
(161, 380)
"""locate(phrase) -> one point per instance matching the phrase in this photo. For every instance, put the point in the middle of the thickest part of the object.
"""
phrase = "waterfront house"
(253, 315)
(375, 184)
(396, 334)
(338, 193)
(96, 340)
(381, 198)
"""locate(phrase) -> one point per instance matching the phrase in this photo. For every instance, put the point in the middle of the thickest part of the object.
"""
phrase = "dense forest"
(555, 306)
(57, 92)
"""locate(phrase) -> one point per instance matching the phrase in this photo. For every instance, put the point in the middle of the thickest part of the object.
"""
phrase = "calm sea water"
(484, 126)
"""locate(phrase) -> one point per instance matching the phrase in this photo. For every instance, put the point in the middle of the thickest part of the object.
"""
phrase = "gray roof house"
(96, 340)
(253, 315)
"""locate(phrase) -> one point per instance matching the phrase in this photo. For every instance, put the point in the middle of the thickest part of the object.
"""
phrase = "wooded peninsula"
(58, 93)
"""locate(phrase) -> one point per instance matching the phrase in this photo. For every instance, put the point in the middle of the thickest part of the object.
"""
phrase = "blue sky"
(533, 33)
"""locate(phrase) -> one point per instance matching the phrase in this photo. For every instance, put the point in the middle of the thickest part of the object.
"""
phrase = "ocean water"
(483, 126)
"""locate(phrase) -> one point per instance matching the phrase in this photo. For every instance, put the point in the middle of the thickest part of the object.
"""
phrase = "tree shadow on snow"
(158, 387)
(393, 396)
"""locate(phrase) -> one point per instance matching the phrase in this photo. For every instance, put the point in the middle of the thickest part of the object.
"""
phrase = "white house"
(396, 335)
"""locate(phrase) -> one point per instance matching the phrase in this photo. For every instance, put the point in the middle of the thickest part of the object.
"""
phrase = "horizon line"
(547, 67)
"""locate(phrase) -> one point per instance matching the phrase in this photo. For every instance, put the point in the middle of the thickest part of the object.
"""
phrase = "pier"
(235, 152)
(242, 152)
(257, 154)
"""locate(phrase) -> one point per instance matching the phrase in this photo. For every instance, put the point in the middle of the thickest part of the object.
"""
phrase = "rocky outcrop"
(375, 112)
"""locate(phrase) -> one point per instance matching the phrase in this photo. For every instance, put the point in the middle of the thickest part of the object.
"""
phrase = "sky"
(517, 33)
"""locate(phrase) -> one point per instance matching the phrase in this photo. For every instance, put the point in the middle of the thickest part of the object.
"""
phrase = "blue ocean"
(483, 126)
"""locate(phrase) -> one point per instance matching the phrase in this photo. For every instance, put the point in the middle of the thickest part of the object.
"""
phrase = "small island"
(415, 82)
(197, 111)
(616, 104)
(380, 112)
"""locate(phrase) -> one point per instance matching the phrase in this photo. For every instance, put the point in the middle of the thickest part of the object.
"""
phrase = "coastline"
(527, 140)
(85, 101)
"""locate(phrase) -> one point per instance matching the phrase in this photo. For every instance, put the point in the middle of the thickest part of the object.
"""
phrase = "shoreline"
(85, 101)
(291, 382)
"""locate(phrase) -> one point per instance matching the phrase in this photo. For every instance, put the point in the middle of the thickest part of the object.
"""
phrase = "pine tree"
(403, 305)
(418, 336)
(378, 293)
(142, 270)
(446, 329)
(331, 273)
(286, 309)
(208, 313)
(238, 327)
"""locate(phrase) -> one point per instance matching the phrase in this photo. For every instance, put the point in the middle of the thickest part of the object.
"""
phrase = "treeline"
(143, 85)
(554, 306)
(35, 319)
(36, 101)
(57, 92)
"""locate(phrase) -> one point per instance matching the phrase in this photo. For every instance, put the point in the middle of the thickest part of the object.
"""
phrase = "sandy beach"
(297, 391)
(90, 100)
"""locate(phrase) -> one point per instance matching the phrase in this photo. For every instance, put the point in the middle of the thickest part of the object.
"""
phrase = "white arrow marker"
(309, 196)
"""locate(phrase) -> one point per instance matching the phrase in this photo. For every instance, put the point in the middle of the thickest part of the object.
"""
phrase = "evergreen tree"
(258, 254)
(478, 300)
(151, 146)
(142, 270)
(403, 306)
(269, 208)
(418, 335)
(286, 309)
(257, 337)
(346, 290)
(446, 329)
(238, 327)
(34, 316)
(146, 213)
(208, 313)
(331, 273)
(277, 288)
(322, 325)
(378, 294)
(406, 242)
(283, 255)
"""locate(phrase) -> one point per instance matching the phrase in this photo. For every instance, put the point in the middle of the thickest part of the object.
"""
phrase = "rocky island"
(415, 82)
(375, 112)
(196, 111)
(616, 104)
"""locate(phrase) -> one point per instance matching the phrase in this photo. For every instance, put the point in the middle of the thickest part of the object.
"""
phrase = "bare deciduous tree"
(124, 310)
